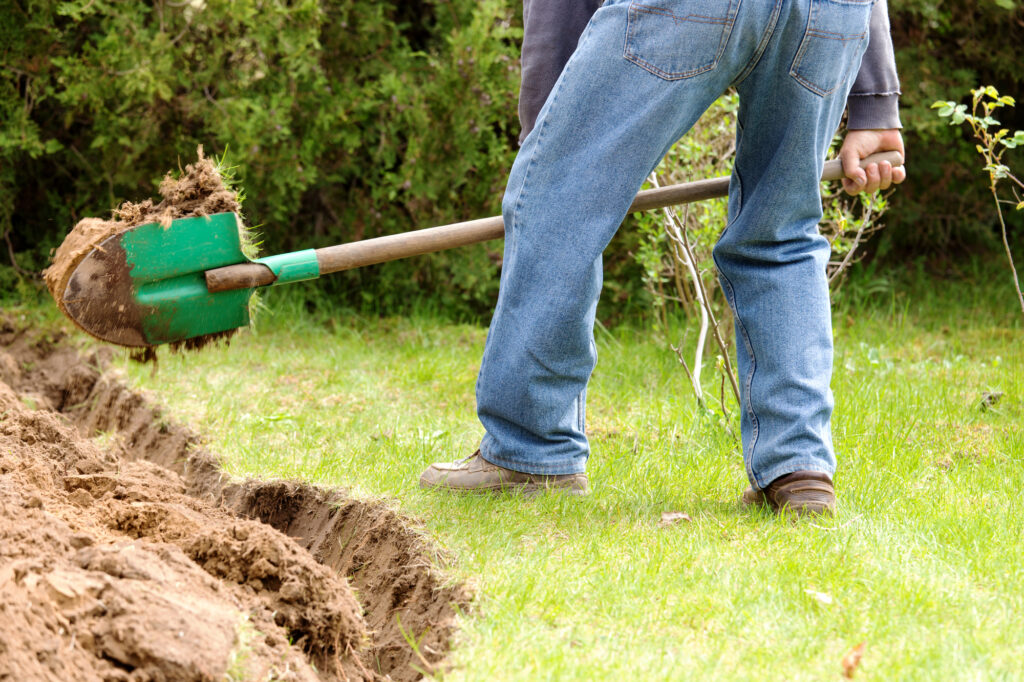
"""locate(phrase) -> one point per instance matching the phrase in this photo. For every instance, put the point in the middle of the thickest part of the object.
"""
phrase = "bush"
(349, 119)
(346, 119)
(944, 49)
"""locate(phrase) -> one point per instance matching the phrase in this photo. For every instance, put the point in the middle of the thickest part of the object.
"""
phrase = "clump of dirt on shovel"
(200, 190)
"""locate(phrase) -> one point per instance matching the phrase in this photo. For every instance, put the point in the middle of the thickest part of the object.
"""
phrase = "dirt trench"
(130, 556)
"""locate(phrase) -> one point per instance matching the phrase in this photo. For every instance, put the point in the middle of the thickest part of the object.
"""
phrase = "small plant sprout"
(993, 142)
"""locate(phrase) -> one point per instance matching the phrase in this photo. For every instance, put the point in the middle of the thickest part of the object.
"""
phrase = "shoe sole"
(752, 498)
(524, 489)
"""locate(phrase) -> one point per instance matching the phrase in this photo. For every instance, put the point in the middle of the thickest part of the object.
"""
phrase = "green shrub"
(346, 119)
(944, 49)
(350, 118)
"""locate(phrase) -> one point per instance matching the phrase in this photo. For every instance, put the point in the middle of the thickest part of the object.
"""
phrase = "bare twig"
(683, 255)
(702, 335)
(14, 262)
(719, 341)
(1006, 245)
(686, 257)
(214, 102)
(682, 361)
(858, 237)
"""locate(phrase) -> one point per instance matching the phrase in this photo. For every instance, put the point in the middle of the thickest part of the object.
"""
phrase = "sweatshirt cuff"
(879, 112)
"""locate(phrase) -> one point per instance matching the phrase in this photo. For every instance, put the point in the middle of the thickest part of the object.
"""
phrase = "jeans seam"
(730, 293)
(762, 46)
(754, 429)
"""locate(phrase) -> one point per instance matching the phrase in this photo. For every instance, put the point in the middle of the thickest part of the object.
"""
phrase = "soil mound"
(139, 561)
(200, 190)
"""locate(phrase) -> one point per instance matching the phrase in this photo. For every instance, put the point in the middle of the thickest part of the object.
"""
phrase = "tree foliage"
(944, 49)
(346, 119)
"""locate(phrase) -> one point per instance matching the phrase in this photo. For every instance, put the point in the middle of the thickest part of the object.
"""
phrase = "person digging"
(641, 75)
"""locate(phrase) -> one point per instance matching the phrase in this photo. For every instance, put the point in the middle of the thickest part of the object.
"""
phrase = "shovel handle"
(416, 243)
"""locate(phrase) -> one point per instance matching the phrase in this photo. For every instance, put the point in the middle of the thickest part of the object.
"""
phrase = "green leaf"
(998, 170)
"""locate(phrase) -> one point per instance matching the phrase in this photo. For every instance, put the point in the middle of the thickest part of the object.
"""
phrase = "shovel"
(151, 285)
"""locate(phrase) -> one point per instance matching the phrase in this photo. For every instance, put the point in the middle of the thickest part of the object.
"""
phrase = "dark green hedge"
(943, 49)
(346, 119)
(352, 118)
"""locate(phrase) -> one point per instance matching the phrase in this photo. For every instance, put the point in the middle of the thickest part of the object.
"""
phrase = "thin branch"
(699, 283)
(687, 259)
(14, 261)
(1006, 245)
(848, 260)
(206, 91)
(702, 335)
(682, 361)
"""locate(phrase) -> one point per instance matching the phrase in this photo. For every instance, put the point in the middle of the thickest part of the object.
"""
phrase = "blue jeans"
(643, 73)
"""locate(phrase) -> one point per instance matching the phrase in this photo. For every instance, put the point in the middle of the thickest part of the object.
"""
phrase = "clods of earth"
(199, 190)
(126, 554)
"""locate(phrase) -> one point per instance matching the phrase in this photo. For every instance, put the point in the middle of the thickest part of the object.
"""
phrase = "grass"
(922, 562)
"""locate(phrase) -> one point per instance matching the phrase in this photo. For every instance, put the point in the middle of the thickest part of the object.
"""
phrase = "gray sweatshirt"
(874, 99)
(551, 29)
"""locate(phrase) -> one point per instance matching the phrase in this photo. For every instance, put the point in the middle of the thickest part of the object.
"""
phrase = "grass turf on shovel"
(150, 284)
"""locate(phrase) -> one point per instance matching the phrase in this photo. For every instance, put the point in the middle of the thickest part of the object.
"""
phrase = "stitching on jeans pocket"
(836, 33)
(674, 39)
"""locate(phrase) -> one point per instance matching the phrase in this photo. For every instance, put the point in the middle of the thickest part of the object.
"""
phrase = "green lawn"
(922, 562)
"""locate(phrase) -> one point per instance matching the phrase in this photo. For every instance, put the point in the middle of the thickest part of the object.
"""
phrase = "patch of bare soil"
(138, 560)
(198, 191)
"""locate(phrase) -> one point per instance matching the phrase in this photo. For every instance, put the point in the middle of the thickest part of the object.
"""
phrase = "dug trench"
(127, 554)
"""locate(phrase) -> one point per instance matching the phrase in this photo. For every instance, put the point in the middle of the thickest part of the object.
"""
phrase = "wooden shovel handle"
(398, 246)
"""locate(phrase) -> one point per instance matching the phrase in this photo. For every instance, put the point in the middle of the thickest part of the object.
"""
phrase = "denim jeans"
(643, 73)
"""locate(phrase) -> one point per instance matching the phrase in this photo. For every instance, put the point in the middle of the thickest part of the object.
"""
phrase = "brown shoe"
(474, 474)
(805, 493)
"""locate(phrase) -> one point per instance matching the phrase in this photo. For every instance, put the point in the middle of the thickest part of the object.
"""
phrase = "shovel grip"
(416, 243)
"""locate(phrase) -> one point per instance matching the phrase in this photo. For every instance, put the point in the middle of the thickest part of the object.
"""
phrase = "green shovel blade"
(145, 286)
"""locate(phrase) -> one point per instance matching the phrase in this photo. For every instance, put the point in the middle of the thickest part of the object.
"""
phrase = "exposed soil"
(130, 556)
(198, 191)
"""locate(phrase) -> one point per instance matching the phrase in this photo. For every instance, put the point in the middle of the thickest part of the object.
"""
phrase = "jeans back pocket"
(676, 39)
(837, 32)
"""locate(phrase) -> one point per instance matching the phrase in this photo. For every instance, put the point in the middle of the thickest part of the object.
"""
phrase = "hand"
(861, 143)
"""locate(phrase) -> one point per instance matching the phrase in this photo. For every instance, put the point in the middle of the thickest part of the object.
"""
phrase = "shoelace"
(465, 460)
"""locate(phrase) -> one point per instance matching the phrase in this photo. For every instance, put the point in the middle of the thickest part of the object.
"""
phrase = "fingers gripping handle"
(834, 168)
(398, 246)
